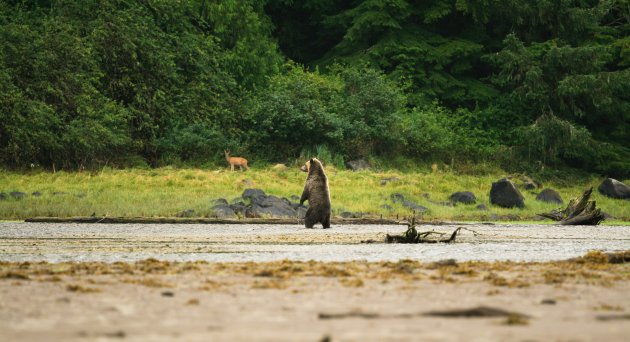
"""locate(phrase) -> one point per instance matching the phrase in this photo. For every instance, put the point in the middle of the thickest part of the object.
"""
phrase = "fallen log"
(411, 235)
(580, 211)
(202, 220)
(475, 312)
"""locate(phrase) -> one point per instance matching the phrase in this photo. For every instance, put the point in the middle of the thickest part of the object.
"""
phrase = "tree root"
(580, 211)
(413, 236)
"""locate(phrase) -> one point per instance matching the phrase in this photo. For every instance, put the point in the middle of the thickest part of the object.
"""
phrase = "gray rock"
(465, 197)
(252, 194)
(614, 189)
(220, 201)
(549, 196)
(239, 208)
(397, 197)
(3, 196)
(301, 212)
(359, 164)
(186, 213)
(270, 206)
(504, 194)
(295, 198)
(387, 207)
(414, 206)
(36, 194)
(17, 194)
(482, 207)
(223, 211)
(273, 201)
(257, 211)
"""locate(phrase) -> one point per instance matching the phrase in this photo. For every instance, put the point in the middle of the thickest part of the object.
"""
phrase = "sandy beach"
(585, 299)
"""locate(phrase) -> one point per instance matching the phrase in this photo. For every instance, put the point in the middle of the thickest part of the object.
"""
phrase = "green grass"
(166, 191)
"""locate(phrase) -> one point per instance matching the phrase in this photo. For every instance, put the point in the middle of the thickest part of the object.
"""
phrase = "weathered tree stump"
(413, 236)
(580, 211)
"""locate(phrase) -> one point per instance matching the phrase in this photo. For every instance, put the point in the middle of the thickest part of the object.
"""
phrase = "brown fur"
(317, 193)
(235, 161)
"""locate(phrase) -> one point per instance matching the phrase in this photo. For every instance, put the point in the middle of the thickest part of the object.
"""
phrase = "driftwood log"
(202, 220)
(413, 236)
(580, 211)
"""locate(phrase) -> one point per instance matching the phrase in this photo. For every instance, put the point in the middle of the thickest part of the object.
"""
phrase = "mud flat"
(93, 282)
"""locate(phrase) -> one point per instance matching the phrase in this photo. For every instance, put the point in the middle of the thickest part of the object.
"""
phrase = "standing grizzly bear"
(317, 194)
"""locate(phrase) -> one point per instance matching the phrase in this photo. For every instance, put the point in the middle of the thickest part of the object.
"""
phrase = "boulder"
(254, 203)
(253, 194)
(465, 197)
(359, 164)
(223, 211)
(301, 212)
(504, 194)
(3, 196)
(186, 213)
(17, 194)
(414, 206)
(256, 211)
(580, 211)
(397, 197)
(273, 201)
(239, 208)
(387, 207)
(270, 206)
(549, 196)
(36, 194)
(220, 201)
(614, 189)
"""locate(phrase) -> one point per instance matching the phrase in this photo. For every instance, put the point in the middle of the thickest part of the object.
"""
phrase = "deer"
(238, 161)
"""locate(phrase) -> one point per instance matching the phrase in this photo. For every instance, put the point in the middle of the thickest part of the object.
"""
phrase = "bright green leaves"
(352, 111)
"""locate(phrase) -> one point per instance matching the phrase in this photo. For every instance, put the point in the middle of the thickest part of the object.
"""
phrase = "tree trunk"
(580, 211)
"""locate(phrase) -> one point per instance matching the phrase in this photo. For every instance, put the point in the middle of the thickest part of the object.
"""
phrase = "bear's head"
(312, 164)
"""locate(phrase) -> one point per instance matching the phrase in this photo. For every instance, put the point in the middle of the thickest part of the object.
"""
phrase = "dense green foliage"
(520, 83)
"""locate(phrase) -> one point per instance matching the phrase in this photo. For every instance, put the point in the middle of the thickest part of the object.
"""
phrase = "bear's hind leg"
(309, 222)
(326, 221)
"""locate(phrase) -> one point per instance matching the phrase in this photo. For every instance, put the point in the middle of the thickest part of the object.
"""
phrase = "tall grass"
(167, 191)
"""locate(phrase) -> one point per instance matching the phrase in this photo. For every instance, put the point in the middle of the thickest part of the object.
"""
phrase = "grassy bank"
(165, 192)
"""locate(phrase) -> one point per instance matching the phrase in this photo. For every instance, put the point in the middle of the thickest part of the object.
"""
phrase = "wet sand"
(57, 242)
(579, 300)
